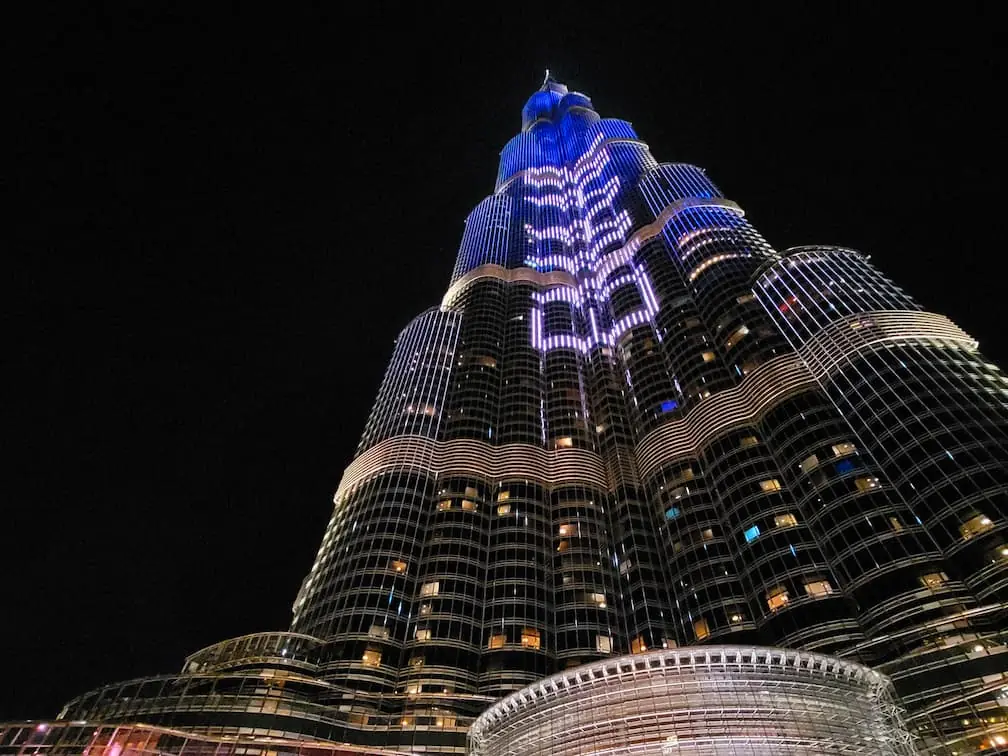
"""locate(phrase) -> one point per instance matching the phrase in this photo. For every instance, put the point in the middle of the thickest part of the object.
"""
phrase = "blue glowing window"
(671, 514)
(751, 533)
(669, 405)
(844, 466)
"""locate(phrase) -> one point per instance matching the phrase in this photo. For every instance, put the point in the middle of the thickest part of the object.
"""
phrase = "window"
(372, 657)
(672, 512)
(818, 588)
(736, 336)
(843, 449)
(844, 466)
(423, 633)
(426, 609)
(708, 356)
(748, 441)
(598, 599)
(497, 641)
(975, 526)
(776, 598)
(895, 524)
(468, 506)
(934, 579)
(736, 617)
(377, 631)
(486, 361)
(566, 529)
(563, 546)
(530, 637)
(416, 661)
(471, 492)
(866, 484)
(751, 533)
(604, 644)
(668, 405)
(398, 565)
(637, 645)
(785, 520)
(745, 298)
(707, 534)
(565, 442)
(430, 589)
(770, 485)
(503, 509)
(503, 495)
(809, 463)
(700, 629)
(444, 504)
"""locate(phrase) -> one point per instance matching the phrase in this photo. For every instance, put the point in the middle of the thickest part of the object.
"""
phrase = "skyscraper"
(632, 424)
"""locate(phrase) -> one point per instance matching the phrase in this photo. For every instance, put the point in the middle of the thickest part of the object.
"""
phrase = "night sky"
(228, 219)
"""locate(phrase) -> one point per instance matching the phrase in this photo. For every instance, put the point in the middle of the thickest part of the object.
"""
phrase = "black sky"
(226, 218)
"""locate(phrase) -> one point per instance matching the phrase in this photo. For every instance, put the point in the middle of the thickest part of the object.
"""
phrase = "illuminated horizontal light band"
(767, 385)
(547, 172)
(469, 457)
(543, 280)
(713, 261)
(843, 339)
(701, 699)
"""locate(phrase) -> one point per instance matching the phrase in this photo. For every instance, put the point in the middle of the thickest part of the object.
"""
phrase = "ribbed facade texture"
(632, 424)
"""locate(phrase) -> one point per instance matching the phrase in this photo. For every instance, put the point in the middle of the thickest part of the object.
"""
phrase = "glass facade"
(632, 424)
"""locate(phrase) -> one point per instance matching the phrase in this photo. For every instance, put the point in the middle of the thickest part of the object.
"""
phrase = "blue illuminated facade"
(631, 424)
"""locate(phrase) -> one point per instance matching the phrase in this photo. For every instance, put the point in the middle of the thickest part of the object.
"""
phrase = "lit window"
(497, 641)
(471, 492)
(748, 441)
(736, 336)
(486, 361)
(426, 609)
(637, 645)
(818, 588)
(934, 579)
(708, 356)
(566, 529)
(866, 484)
(430, 589)
(785, 520)
(416, 661)
(751, 533)
(530, 637)
(604, 644)
(598, 599)
(975, 526)
(563, 546)
(668, 405)
(770, 485)
(503, 495)
(423, 634)
(377, 631)
(745, 298)
(677, 546)
(707, 534)
(468, 506)
(672, 512)
(736, 617)
(777, 598)
(809, 463)
(413, 689)
(842, 450)
(398, 565)
(895, 524)
(844, 466)
(444, 505)
(565, 442)
(372, 657)
(503, 509)
(700, 629)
